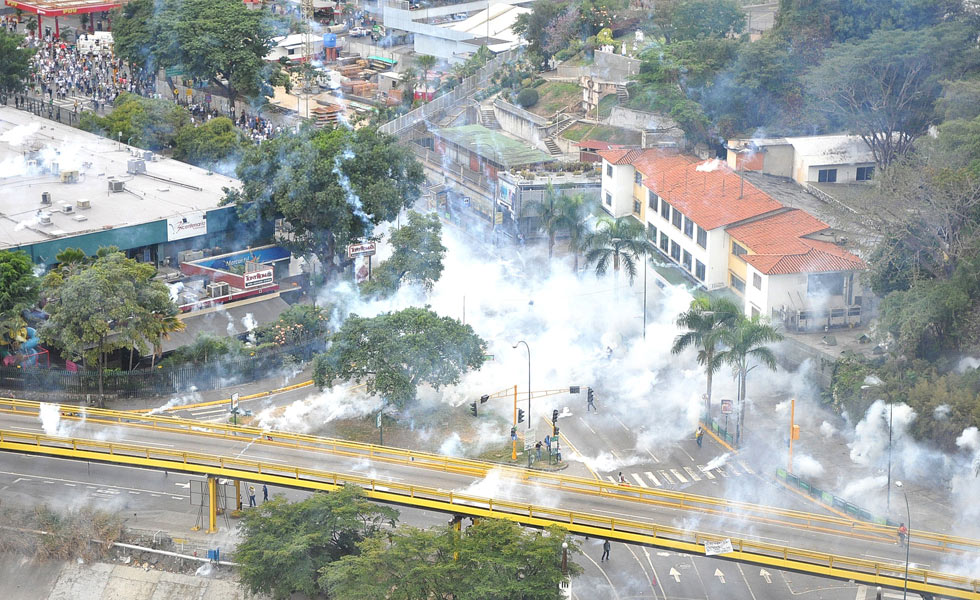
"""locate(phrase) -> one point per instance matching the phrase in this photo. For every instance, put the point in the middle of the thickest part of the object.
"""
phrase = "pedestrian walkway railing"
(831, 499)
(633, 530)
(651, 497)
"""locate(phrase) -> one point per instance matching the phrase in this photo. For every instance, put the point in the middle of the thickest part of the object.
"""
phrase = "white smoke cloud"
(311, 413)
(51, 422)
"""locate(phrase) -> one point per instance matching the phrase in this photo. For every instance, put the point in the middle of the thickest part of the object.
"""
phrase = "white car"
(357, 32)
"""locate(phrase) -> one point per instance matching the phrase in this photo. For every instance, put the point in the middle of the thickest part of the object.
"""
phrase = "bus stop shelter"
(60, 8)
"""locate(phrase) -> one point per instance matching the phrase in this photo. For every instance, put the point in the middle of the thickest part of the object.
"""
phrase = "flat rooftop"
(31, 146)
(492, 145)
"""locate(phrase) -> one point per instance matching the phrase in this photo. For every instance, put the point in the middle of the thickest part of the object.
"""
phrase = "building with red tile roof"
(723, 231)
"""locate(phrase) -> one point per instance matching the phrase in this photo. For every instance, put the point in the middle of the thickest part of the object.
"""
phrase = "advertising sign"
(726, 407)
(507, 193)
(186, 226)
(529, 439)
(257, 278)
(715, 548)
(364, 249)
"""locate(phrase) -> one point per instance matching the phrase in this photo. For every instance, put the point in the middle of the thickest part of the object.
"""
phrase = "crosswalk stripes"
(653, 478)
(692, 474)
(666, 477)
(706, 473)
(678, 475)
(639, 480)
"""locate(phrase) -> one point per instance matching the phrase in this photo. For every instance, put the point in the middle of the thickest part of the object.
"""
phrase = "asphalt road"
(149, 500)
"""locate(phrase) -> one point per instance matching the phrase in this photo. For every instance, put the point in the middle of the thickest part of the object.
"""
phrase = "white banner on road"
(715, 548)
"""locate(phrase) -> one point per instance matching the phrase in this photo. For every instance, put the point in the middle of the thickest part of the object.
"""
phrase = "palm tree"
(549, 211)
(746, 341)
(623, 240)
(425, 62)
(705, 321)
(574, 216)
(408, 82)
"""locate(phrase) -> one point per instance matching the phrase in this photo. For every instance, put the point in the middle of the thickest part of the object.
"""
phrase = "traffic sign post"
(529, 438)
(234, 408)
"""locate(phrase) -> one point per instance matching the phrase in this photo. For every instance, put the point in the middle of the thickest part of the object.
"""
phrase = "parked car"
(357, 32)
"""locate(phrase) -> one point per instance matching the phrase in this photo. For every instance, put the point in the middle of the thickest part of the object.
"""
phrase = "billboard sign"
(364, 249)
(257, 278)
(187, 226)
(726, 407)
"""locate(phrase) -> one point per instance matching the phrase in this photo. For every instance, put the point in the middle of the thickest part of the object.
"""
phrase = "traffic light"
(473, 408)
(591, 396)
(555, 433)
(520, 415)
(554, 416)
(484, 398)
(513, 432)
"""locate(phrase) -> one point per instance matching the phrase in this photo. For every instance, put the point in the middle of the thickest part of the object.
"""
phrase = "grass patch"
(577, 132)
(554, 96)
(615, 135)
(606, 104)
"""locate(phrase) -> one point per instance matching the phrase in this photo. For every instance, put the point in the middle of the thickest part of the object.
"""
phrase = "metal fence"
(163, 380)
(466, 88)
(831, 500)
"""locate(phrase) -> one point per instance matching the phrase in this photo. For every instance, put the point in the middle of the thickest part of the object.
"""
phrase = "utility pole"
(306, 11)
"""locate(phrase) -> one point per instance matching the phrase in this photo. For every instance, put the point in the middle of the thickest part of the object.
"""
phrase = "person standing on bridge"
(251, 495)
(265, 493)
(902, 532)
(605, 550)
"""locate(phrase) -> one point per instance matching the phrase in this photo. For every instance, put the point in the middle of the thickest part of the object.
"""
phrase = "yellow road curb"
(287, 388)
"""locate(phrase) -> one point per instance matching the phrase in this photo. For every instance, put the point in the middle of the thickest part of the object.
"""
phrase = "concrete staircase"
(564, 125)
(622, 94)
(487, 118)
(552, 147)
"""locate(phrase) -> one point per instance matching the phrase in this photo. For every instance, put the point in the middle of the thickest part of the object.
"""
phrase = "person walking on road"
(902, 532)
(251, 495)
(265, 493)
(605, 550)
(591, 405)
(699, 436)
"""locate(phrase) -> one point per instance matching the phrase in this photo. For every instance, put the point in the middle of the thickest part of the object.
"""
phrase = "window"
(664, 242)
(651, 233)
(755, 311)
(702, 237)
(675, 250)
(665, 210)
(827, 175)
(676, 218)
(608, 170)
(756, 281)
(737, 284)
(699, 270)
(688, 227)
(636, 206)
(865, 173)
(686, 260)
(638, 177)
(738, 250)
(608, 199)
(652, 200)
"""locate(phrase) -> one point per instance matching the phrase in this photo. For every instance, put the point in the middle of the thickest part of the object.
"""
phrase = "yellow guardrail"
(287, 388)
(628, 530)
(647, 496)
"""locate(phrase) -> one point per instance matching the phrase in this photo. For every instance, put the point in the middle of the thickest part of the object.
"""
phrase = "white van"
(99, 42)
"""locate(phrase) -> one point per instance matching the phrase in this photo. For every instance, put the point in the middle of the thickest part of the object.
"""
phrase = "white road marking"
(862, 593)
(19, 479)
(666, 477)
(706, 473)
(134, 493)
(145, 443)
(721, 471)
(587, 425)
(655, 459)
(178, 497)
(733, 470)
(183, 485)
(747, 468)
(623, 424)
(720, 575)
(46, 481)
(692, 474)
(70, 484)
(678, 475)
(639, 480)
(653, 478)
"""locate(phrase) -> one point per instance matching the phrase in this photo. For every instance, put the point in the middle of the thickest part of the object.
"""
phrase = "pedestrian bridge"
(828, 546)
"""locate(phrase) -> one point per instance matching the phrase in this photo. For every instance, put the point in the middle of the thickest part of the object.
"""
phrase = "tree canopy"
(491, 560)
(18, 288)
(14, 63)
(416, 257)
(332, 186)
(284, 545)
(216, 144)
(396, 352)
(142, 122)
(221, 41)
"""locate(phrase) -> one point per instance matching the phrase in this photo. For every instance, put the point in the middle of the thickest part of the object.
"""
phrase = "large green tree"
(14, 63)
(111, 304)
(746, 347)
(621, 242)
(491, 560)
(284, 545)
(704, 323)
(216, 144)
(533, 26)
(142, 122)
(699, 19)
(220, 41)
(885, 88)
(416, 258)
(396, 352)
(332, 186)
(18, 289)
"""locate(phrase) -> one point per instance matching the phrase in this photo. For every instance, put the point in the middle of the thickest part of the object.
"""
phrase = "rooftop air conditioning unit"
(83, 203)
(147, 155)
(45, 197)
(116, 186)
(44, 218)
(69, 177)
(66, 208)
(55, 168)
(80, 218)
(218, 289)
(134, 167)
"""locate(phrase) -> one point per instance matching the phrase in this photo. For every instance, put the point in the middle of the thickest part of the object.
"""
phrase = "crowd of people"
(63, 71)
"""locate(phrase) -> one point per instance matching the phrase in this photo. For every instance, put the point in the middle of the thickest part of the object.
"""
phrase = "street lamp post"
(908, 537)
(528, 380)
